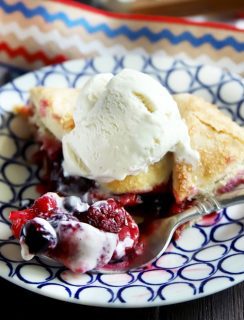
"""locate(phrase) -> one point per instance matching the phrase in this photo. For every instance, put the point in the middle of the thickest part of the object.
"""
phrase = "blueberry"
(39, 236)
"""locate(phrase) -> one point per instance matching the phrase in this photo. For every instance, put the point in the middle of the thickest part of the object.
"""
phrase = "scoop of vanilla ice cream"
(123, 123)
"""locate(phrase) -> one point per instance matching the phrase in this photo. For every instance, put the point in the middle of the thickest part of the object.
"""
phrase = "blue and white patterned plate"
(207, 258)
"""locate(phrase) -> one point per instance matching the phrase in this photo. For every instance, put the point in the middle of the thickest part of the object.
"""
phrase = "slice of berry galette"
(127, 147)
(220, 143)
(218, 139)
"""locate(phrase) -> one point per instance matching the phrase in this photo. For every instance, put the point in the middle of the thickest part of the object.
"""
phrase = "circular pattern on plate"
(133, 62)
(238, 244)
(211, 253)
(171, 260)
(233, 264)
(213, 282)
(8, 146)
(226, 231)
(199, 236)
(10, 251)
(207, 258)
(103, 294)
(77, 280)
(133, 293)
(231, 91)
(179, 80)
(197, 271)
(16, 173)
(204, 78)
(156, 277)
(235, 213)
(5, 231)
(6, 268)
(23, 84)
(7, 193)
(116, 280)
(9, 98)
(19, 129)
(176, 290)
(33, 273)
(58, 290)
(60, 80)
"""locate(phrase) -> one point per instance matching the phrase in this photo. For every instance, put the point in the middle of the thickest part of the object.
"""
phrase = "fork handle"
(231, 198)
(210, 203)
(207, 204)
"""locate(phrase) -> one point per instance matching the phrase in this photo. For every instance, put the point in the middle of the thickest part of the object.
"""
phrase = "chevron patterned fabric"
(38, 33)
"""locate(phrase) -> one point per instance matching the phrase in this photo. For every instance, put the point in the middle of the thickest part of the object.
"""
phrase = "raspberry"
(130, 230)
(107, 215)
(45, 204)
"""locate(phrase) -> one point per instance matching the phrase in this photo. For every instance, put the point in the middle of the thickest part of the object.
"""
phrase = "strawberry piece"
(19, 219)
(42, 207)
(45, 204)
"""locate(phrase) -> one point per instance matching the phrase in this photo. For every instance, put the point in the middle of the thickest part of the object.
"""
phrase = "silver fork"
(156, 242)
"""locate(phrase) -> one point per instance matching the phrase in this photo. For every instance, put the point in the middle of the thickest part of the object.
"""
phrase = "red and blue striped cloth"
(37, 33)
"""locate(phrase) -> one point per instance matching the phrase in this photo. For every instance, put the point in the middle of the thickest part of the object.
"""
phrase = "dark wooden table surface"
(225, 305)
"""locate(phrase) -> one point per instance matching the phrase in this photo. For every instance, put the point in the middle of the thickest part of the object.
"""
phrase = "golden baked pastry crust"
(57, 119)
(53, 109)
(220, 143)
(156, 175)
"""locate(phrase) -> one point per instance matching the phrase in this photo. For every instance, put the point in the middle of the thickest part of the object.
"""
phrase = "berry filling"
(107, 215)
(38, 235)
(84, 228)
(80, 236)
